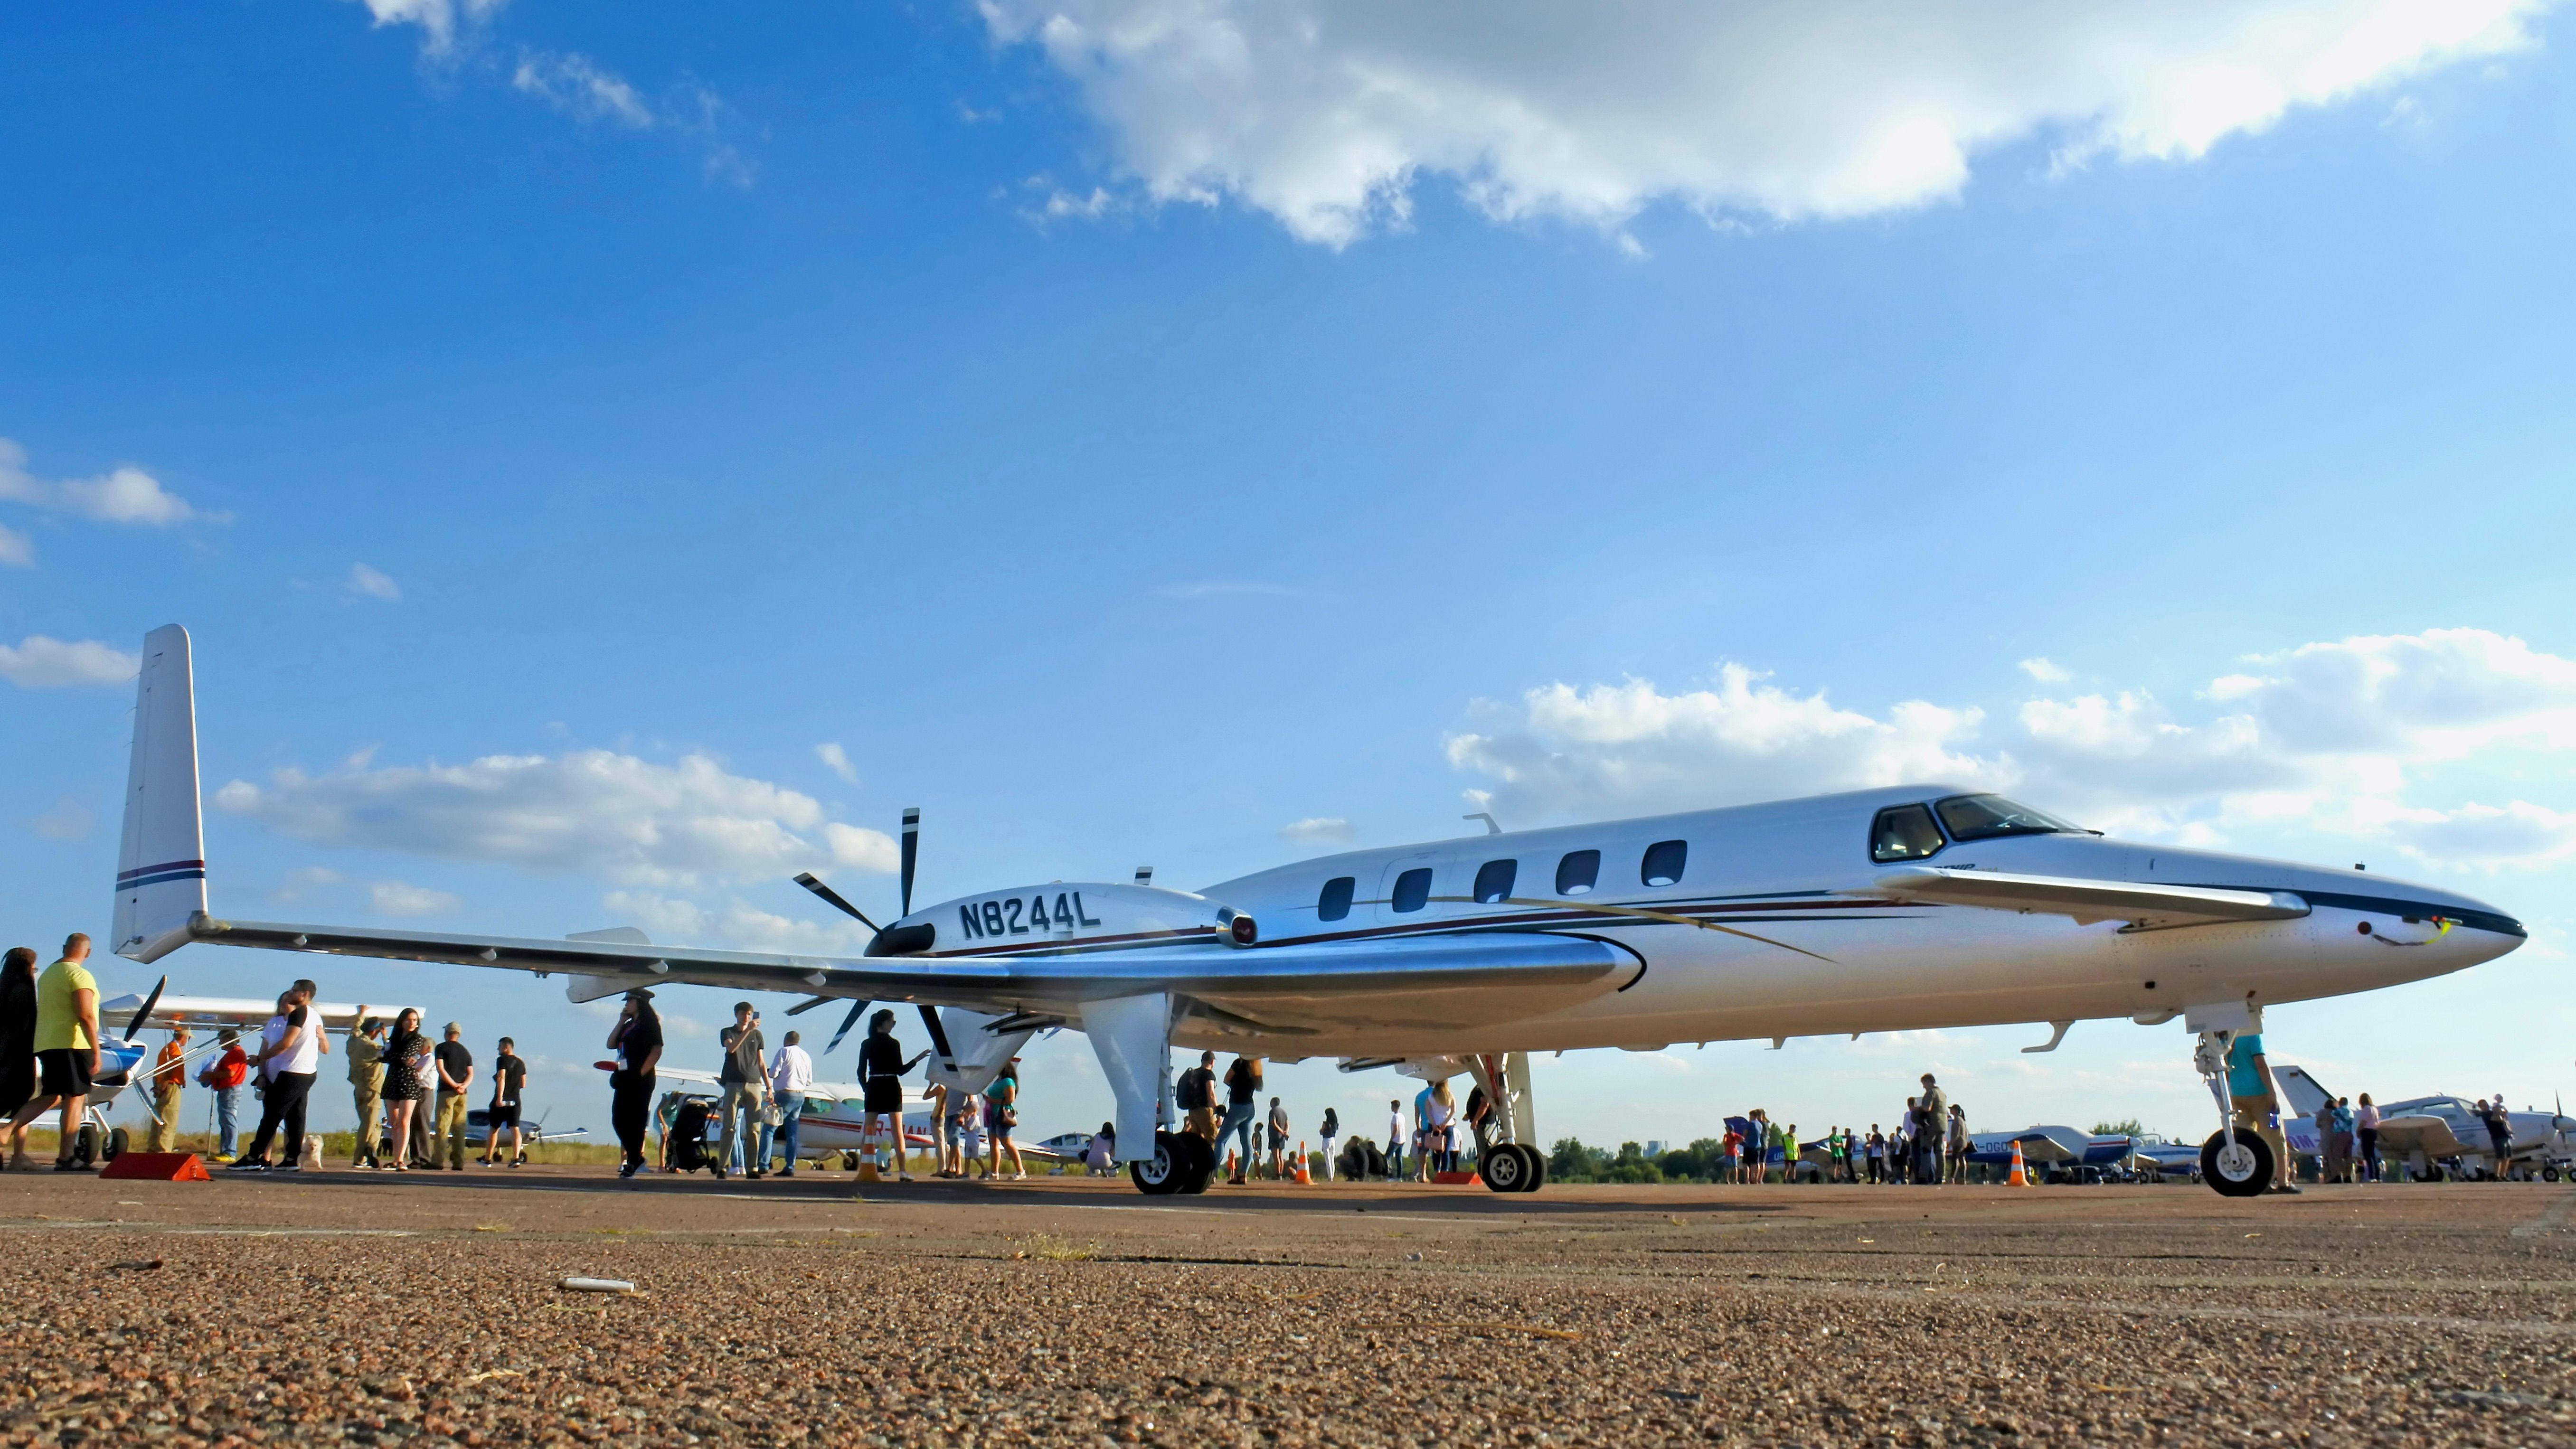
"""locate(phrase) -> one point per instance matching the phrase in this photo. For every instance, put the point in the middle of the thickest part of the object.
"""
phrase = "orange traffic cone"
(2018, 1177)
(1304, 1177)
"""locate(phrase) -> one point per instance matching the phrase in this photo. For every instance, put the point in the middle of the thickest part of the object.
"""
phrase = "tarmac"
(350, 1308)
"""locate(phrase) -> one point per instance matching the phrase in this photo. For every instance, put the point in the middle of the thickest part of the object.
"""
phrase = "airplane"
(832, 1120)
(2426, 1132)
(1900, 908)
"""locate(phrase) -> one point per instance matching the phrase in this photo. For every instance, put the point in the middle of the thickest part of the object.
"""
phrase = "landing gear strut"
(2236, 1165)
(1504, 1158)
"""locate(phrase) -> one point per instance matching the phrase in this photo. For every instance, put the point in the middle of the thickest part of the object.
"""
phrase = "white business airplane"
(1880, 910)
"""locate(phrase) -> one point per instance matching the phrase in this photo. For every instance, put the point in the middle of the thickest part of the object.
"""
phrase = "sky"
(613, 457)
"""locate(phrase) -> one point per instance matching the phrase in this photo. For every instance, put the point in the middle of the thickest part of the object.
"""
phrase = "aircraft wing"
(1466, 979)
(246, 1013)
(2421, 1132)
(2148, 907)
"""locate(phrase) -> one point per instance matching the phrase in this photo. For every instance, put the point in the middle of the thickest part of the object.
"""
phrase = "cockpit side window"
(1335, 903)
(1984, 817)
(1494, 881)
(1578, 872)
(1904, 832)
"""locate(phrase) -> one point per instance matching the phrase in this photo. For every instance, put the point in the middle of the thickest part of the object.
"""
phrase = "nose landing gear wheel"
(2244, 1170)
(1504, 1167)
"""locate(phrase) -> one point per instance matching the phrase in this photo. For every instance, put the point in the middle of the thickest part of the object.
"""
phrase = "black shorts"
(881, 1095)
(65, 1071)
(502, 1118)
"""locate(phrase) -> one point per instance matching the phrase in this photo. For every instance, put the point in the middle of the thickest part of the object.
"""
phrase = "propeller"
(857, 1010)
(135, 1024)
(809, 1003)
(832, 898)
(911, 851)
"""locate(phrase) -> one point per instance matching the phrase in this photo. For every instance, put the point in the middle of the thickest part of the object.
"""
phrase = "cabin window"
(1663, 863)
(1905, 832)
(1578, 872)
(1412, 890)
(1494, 881)
(1984, 817)
(1335, 902)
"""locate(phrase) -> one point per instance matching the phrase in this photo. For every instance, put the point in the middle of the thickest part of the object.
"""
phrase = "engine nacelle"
(1062, 914)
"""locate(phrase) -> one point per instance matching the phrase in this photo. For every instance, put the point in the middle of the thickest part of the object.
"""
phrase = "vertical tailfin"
(161, 869)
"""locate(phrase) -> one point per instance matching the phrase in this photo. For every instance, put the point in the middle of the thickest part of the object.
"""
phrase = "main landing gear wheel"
(1182, 1162)
(118, 1140)
(2243, 1170)
(1510, 1167)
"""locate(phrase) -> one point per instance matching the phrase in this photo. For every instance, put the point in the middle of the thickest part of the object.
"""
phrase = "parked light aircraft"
(2425, 1132)
(832, 1120)
(1892, 909)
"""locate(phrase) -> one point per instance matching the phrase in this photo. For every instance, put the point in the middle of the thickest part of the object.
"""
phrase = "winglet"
(161, 867)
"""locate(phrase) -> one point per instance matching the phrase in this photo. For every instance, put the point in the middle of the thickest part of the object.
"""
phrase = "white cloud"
(394, 898)
(121, 495)
(1317, 829)
(1326, 113)
(440, 21)
(17, 550)
(70, 819)
(2334, 736)
(576, 85)
(37, 662)
(739, 925)
(2045, 672)
(591, 811)
(374, 584)
(837, 760)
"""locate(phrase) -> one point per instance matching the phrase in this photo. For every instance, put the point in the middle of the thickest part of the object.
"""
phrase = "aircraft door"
(1410, 887)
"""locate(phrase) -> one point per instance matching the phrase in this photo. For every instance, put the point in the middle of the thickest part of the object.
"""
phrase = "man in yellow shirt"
(169, 1071)
(66, 1049)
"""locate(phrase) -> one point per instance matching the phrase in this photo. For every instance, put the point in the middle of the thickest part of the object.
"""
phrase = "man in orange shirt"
(167, 1077)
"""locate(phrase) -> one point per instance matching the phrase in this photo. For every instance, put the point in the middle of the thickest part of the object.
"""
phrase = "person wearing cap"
(169, 1074)
(367, 1084)
(744, 1080)
(637, 1040)
(455, 1074)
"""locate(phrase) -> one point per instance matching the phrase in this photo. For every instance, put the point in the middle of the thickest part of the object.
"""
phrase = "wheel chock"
(159, 1167)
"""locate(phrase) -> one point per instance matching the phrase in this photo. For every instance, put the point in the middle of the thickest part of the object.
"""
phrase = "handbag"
(770, 1116)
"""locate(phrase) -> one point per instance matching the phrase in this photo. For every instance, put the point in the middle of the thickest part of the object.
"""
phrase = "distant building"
(1654, 1150)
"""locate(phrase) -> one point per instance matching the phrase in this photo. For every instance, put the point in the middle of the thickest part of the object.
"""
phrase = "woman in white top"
(1437, 1114)
(2365, 1121)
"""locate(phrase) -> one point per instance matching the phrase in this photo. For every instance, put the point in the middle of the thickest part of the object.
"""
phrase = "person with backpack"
(1242, 1107)
(1195, 1095)
(637, 1040)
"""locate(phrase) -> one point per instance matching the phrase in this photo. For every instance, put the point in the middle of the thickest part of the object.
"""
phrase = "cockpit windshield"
(1984, 817)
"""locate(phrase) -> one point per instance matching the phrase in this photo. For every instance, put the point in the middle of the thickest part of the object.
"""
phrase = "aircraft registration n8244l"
(1879, 910)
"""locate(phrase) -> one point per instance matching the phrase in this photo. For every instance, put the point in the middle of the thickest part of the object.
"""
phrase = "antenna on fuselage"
(1144, 875)
(1492, 826)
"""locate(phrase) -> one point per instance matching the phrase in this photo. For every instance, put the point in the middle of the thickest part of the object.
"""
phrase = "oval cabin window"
(1663, 864)
(1578, 873)
(1335, 903)
(1412, 890)
(1494, 881)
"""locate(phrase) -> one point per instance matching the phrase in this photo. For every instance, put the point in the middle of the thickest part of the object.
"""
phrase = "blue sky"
(1122, 452)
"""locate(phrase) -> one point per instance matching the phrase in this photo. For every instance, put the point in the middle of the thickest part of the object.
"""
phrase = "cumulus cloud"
(17, 550)
(120, 495)
(374, 584)
(740, 925)
(2335, 735)
(2045, 672)
(596, 812)
(37, 662)
(837, 760)
(1327, 113)
(577, 86)
(1317, 830)
(440, 21)
(395, 898)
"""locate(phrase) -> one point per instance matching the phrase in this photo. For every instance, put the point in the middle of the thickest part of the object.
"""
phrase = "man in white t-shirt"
(292, 1046)
(791, 1076)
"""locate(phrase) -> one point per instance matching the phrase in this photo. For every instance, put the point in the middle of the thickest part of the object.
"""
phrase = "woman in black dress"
(881, 1069)
(17, 1037)
(403, 1085)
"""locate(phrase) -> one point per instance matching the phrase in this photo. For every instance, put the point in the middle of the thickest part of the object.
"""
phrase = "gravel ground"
(369, 1311)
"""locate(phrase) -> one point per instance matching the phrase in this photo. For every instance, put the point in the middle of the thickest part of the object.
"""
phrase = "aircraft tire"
(86, 1144)
(1199, 1166)
(1160, 1175)
(2247, 1174)
(1538, 1170)
(118, 1140)
(1505, 1167)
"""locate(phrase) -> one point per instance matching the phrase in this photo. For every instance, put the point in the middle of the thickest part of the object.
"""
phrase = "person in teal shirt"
(2249, 1087)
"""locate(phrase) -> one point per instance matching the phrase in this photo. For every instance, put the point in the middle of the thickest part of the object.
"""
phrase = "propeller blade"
(832, 898)
(911, 852)
(809, 1003)
(149, 1002)
(857, 1010)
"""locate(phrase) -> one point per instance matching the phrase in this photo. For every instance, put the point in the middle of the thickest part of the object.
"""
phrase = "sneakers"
(719, 1172)
(249, 1164)
(787, 1172)
(626, 1170)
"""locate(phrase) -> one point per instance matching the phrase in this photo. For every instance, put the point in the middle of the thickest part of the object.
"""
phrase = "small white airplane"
(1904, 908)
(2425, 1132)
(832, 1120)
